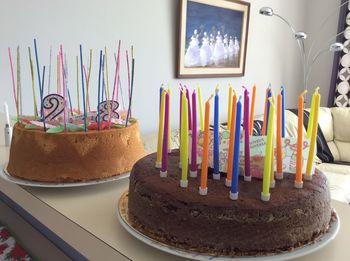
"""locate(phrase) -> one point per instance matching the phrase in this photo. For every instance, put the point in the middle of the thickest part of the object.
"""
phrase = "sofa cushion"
(341, 123)
(325, 121)
(334, 149)
(343, 149)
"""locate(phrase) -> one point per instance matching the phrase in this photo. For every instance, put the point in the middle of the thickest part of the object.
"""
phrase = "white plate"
(6, 176)
(297, 252)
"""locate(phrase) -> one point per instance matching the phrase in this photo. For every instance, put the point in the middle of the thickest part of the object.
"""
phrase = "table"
(82, 221)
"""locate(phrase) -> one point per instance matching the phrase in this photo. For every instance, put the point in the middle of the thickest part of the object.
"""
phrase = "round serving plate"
(122, 215)
(6, 176)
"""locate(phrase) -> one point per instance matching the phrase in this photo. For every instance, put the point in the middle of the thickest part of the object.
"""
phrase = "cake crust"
(217, 225)
(73, 156)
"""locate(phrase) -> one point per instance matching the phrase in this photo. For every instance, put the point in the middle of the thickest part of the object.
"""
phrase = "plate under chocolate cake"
(214, 224)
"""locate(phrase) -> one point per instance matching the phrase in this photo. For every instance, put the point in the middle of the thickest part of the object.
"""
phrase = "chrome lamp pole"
(300, 37)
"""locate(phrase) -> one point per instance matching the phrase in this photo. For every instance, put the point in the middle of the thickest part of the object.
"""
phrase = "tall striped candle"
(247, 176)
(299, 164)
(164, 168)
(235, 174)
(265, 194)
(216, 174)
(232, 142)
(203, 189)
(184, 143)
(169, 127)
(311, 156)
(193, 170)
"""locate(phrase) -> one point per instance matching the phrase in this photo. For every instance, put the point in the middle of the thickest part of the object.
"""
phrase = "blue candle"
(160, 96)
(235, 169)
(268, 107)
(216, 174)
(283, 113)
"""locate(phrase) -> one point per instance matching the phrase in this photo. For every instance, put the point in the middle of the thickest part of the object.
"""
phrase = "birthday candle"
(181, 90)
(265, 113)
(82, 86)
(229, 109)
(160, 131)
(189, 109)
(78, 95)
(64, 91)
(235, 174)
(58, 76)
(247, 176)
(311, 117)
(269, 94)
(193, 170)
(311, 156)
(283, 112)
(200, 105)
(107, 82)
(88, 82)
(216, 174)
(13, 83)
(265, 194)
(299, 164)
(203, 189)
(19, 87)
(169, 127)
(33, 84)
(252, 108)
(232, 142)
(163, 170)
(279, 173)
(99, 92)
(272, 175)
(160, 96)
(184, 143)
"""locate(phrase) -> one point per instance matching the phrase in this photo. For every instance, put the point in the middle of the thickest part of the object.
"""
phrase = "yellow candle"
(229, 107)
(299, 164)
(169, 124)
(272, 175)
(232, 142)
(252, 108)
(313, 137)
(204, 171)
(265, 113)
(200, 108)
(160, 131)
(184, 142)
(265, 194)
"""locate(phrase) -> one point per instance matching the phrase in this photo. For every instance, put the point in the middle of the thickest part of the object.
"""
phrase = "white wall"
(151, 26)
(317, 13)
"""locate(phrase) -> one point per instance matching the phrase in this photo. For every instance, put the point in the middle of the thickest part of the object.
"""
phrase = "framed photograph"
(213, 38)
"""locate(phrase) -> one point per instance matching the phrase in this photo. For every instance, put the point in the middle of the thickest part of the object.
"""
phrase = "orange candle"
(252, 107)
(232, 142)
(279, 173)
(299, 164)
(203, 189)
(265, 113)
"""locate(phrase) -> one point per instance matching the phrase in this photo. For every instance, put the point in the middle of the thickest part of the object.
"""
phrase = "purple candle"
(189, 109)
(247, 176)
(164, 167)
(193, 169)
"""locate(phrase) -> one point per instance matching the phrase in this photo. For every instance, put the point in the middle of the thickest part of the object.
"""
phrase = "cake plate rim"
(319, 243)
(5, 175)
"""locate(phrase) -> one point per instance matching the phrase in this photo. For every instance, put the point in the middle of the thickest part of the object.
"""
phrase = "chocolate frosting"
(214, 223)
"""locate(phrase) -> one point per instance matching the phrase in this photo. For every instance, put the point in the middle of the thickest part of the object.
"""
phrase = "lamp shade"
(266, 11)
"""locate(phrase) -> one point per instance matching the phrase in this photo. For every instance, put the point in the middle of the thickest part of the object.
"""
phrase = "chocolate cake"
(73, 156)
(214, 224)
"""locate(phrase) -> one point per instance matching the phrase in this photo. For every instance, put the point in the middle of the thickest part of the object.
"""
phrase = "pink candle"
(164, 167)
(193, 169)
(247, 176)
(189, 109)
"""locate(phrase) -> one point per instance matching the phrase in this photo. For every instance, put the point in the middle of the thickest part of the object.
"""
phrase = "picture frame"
(212, 40)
